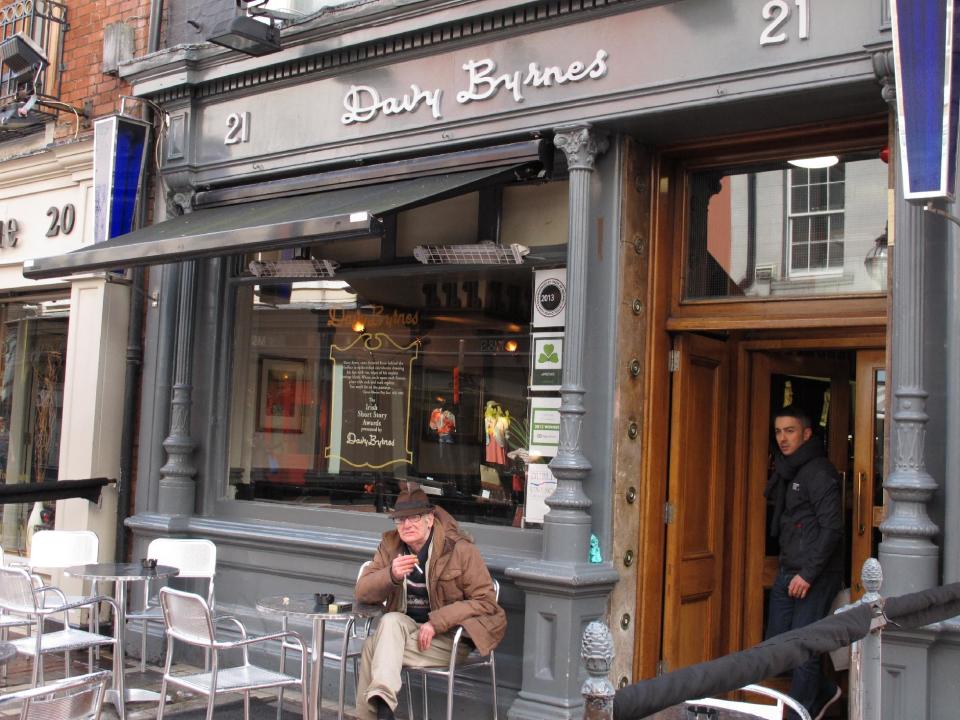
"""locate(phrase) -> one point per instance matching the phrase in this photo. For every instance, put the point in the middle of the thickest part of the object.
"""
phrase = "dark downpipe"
(134, 366)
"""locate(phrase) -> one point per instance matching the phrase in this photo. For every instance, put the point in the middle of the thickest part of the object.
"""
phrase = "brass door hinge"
(673, 360)
(669, 512)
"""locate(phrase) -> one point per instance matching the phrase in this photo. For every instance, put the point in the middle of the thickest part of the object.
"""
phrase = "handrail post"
(866, 661)
(596, 651)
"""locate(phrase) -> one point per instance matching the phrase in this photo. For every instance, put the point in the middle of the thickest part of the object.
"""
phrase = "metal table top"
(7, 652)
(121, 572)
(306, 605)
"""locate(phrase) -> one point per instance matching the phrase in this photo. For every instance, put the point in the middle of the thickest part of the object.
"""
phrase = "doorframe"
(845, 322)
(655, 480)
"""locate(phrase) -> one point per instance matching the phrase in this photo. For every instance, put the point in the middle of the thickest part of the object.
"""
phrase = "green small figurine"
(595, 556)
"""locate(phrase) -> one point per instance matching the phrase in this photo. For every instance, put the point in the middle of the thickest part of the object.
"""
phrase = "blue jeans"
(809, 685)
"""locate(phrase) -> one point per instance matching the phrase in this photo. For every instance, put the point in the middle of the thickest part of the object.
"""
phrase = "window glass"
(809, 227)
(33, 349)
(347, 389)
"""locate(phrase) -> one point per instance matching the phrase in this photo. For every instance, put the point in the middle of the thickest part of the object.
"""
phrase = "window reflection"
(779, 230)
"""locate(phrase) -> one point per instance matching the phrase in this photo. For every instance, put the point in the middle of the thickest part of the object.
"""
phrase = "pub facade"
(557, 264)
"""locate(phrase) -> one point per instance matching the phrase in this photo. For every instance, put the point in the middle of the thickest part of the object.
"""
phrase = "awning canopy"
(265, 224)
(29, 492)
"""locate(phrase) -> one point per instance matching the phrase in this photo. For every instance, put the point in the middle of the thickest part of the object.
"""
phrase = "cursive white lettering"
(369, 440)
(364, 103)
(483, 83)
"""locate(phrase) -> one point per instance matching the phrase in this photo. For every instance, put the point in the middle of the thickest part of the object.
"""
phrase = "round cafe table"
(305, 605)
(121, 574)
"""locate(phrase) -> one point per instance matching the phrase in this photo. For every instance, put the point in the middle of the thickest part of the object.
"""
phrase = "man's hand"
(401, 566)
(425, 637)
(798, 588)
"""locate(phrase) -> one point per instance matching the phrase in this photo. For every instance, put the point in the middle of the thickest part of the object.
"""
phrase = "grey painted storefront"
(671, 71)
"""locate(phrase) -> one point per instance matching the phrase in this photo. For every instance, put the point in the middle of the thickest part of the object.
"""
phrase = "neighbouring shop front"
(46, 359)
(508, 251)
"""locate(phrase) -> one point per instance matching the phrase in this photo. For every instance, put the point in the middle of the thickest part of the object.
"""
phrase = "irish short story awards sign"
(370, 413)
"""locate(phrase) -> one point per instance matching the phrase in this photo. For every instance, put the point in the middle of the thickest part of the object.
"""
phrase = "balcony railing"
(45, 23)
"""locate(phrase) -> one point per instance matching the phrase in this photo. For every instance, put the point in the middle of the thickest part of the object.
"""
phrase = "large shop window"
(33, 340)
(810, 227)
(347, 388)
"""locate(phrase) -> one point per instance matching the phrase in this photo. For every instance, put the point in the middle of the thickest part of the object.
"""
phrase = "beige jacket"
(459, 584)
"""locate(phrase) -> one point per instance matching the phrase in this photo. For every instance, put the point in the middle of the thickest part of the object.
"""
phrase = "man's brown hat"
(411, 502)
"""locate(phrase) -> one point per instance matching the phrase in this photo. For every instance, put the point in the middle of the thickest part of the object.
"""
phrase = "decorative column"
(563, 590)
(177, 494)
(566, 528)
(907, 553)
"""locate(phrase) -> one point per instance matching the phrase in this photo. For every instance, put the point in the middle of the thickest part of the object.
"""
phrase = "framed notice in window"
(544, 426)
(546, 363)
(280, 391)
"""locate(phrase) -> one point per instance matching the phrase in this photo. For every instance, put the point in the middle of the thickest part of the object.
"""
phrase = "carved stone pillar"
(564, 591)
(907, 553)
(177, 493)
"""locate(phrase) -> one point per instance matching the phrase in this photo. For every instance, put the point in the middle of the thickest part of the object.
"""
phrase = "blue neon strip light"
(928, 93)
(127, 171)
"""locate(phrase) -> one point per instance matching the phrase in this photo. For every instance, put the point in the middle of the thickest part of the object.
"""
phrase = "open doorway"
(720, 561)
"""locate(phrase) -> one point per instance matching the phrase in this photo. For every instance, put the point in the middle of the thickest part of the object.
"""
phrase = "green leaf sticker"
(549, 354)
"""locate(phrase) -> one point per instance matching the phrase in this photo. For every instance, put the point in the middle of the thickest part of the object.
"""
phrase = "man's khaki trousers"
(392, 646)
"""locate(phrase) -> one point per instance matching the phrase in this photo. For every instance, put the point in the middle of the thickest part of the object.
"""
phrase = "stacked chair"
(20, 596)
(7, 621)
(194, 559)
(79, 698)
(59, 549)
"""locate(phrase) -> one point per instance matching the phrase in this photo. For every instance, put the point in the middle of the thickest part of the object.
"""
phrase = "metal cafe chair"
(187, 618)
(19, 595)
(7, 621)
(473, 661)
(194, 558)
(768, 712)
(78, 698)
(58, 549)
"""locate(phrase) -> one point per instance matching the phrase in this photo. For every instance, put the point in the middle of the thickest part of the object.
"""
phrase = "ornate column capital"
(885, 71)
(581, 144)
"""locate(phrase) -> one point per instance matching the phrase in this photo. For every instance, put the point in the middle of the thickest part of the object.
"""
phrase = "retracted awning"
(264, 224)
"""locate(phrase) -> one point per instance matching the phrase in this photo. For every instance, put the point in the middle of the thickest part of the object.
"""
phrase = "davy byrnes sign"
(482, 80)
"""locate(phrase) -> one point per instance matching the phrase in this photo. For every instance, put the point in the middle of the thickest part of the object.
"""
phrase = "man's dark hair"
(793, 411)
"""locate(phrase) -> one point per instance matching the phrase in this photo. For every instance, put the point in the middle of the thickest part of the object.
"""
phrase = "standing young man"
(808, 521)
(432, 579)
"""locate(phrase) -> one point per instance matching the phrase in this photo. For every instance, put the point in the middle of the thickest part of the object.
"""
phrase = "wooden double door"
(719, 560)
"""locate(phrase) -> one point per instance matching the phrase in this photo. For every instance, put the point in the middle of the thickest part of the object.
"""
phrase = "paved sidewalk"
(18, 677)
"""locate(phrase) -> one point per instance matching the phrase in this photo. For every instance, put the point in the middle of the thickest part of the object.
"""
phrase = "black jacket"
(811, 521)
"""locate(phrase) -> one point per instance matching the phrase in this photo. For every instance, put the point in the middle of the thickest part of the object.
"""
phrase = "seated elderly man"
(432, 578)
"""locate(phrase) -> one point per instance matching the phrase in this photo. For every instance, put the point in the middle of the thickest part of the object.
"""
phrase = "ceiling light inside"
(815, 163)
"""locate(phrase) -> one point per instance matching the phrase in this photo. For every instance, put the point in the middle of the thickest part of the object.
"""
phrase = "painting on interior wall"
(280, 395)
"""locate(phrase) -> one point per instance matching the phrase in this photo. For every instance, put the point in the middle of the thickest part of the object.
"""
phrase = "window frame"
(790, 215)
(674, 167)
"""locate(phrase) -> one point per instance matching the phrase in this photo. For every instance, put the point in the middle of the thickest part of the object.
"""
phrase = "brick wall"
(83, 80)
